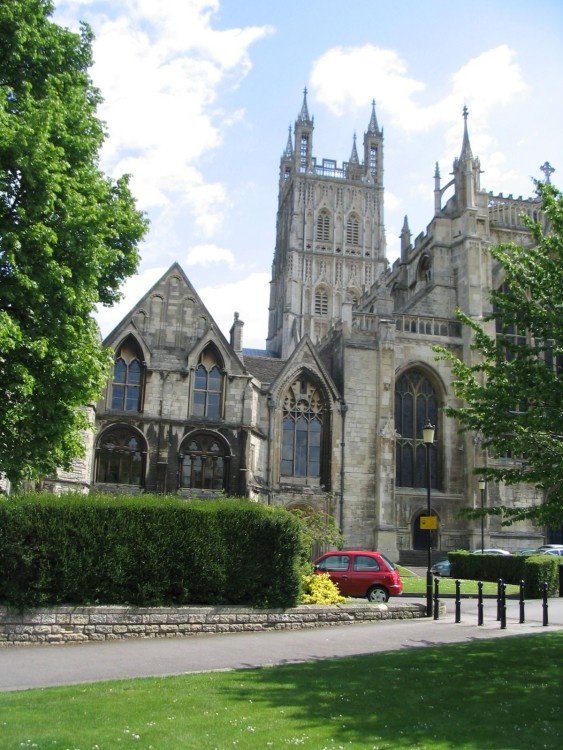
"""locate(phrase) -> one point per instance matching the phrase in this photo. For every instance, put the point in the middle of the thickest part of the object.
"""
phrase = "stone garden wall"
(81, 624)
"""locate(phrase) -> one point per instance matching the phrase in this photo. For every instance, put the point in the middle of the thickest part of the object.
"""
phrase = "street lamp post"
(428, 440)
(482, 489)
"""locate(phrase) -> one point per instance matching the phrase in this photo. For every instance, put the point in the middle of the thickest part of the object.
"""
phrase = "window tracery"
(323, 226)
(416, 404)
(203, 463)
(304, 414)
(128, 378)
(208, 385)
(121, 455)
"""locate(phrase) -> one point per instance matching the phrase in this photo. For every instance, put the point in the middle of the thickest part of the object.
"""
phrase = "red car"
(361, 573)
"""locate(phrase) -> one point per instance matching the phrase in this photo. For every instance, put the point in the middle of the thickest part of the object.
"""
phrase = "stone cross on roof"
(548, 170)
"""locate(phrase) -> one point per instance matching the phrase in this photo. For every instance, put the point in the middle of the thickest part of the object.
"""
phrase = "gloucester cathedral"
(330, 415)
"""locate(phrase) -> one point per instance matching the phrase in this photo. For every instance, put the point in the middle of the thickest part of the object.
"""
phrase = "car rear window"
(388, 562)
(363, 562)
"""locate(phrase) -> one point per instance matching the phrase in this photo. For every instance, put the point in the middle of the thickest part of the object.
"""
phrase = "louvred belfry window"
(321, 303)
(323, 226)
(353, 230)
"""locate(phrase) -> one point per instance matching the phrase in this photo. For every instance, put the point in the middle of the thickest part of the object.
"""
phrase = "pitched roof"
(265, 369)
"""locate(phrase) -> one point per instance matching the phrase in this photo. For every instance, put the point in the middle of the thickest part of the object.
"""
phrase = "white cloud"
(161, 67)
(484, 84)
(163, 70)
(488, 80)
(204, 255)
(168, 71)
(207, 201)
(345, 78)
(392, 202)
(249, 297)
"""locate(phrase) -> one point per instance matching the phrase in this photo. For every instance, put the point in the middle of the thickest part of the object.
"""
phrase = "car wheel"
(378, 594)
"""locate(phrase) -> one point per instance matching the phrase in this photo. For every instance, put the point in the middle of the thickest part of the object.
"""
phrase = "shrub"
(146, 551)
(319, 589)
(318, 531)
(540, 569)
(534, 570)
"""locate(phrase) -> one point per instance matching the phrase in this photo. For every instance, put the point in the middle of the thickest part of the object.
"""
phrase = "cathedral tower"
(330, 235)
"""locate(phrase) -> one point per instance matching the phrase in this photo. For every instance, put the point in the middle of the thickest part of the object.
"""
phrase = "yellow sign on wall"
(429, 522)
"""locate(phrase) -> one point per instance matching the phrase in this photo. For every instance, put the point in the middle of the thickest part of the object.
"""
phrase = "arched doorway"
(420, 536)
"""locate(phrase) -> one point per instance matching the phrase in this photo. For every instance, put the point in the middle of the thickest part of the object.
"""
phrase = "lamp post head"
(428, 434)
(482, 483)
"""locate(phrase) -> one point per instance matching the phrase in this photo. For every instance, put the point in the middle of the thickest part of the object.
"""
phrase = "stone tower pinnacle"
(304, 113)
(373, 128)
(330, 240)
(466, 171)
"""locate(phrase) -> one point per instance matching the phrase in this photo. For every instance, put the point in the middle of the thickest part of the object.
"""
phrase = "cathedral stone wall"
(360, 461)
(346, 332)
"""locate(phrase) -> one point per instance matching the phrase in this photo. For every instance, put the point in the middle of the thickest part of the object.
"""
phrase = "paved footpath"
(24, 667)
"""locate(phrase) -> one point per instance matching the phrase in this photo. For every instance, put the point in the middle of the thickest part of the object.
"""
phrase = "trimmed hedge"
(533, 569)
(146, 551)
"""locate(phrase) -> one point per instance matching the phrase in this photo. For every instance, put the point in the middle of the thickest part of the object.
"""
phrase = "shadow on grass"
(502, 694)
(498, 694)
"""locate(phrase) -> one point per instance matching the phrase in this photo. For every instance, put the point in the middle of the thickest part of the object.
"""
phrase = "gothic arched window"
(510, 336)
(321, 303)
(128, 378)
(353, 230)
(304, 414)
(323, 226)
(208, 385)
(424, 271)
(416, 404)
(203, 463)
(121, 455)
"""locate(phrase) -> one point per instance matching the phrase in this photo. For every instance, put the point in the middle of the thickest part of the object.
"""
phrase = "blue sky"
(199, 95)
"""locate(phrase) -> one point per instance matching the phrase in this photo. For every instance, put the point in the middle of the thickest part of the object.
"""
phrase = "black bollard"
(503, 607)
(480, 603)
(544, 597)
(522, 584)
(499, 599)
(436, 597)
(458, 601)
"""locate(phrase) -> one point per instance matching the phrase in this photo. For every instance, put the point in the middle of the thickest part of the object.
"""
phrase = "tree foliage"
(68, 239)
(317, 531)
(513, 396)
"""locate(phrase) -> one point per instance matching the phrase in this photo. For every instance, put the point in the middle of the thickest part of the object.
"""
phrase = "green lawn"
(498, 694)
(414, 584)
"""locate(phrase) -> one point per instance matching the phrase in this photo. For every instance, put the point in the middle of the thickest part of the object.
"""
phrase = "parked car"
(361, 573)
(554, 549)
(556, 552)
(442, 568)
(491, 551)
